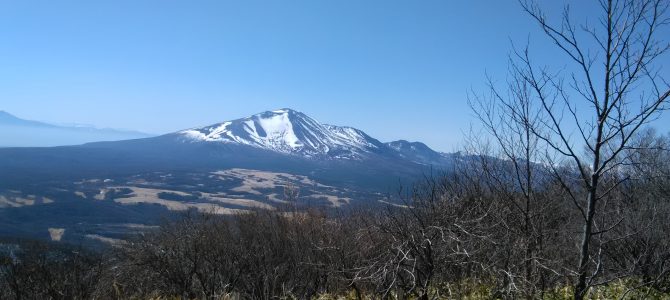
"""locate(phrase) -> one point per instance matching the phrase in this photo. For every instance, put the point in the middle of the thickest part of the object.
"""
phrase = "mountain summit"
(290, 132)
(417, 152)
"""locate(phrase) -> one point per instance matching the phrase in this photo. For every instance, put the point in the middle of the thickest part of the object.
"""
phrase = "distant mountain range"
(226, 167)
(280, 140)
(17, 132)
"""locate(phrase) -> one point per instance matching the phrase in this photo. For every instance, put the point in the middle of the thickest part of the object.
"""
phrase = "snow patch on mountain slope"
(289, 131)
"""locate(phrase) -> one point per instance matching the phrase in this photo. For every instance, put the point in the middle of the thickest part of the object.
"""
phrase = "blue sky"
(395, 69)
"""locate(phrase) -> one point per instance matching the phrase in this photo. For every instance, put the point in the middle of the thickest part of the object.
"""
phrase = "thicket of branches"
(581, 123)
(471, 232)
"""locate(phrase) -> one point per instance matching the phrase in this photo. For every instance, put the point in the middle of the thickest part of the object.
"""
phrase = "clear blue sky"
(395, 69)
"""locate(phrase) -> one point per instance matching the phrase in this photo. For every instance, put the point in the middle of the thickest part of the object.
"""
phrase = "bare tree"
(510, 163)
(429, 244)
(615, 78)
(38, 270)
(647, 252)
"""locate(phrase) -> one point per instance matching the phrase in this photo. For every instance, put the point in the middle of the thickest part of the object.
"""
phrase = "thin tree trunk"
(580, 287)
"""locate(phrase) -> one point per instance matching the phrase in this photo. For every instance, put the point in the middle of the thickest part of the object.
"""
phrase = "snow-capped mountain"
(229, 164)
(290, 132)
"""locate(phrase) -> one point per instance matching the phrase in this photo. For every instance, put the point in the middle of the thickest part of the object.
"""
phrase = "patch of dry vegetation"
(150, 196)
(15, 199)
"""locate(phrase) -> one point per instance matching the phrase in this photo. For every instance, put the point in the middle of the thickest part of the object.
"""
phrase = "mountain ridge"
(18, 132)
(328, 152)
(292, 132)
